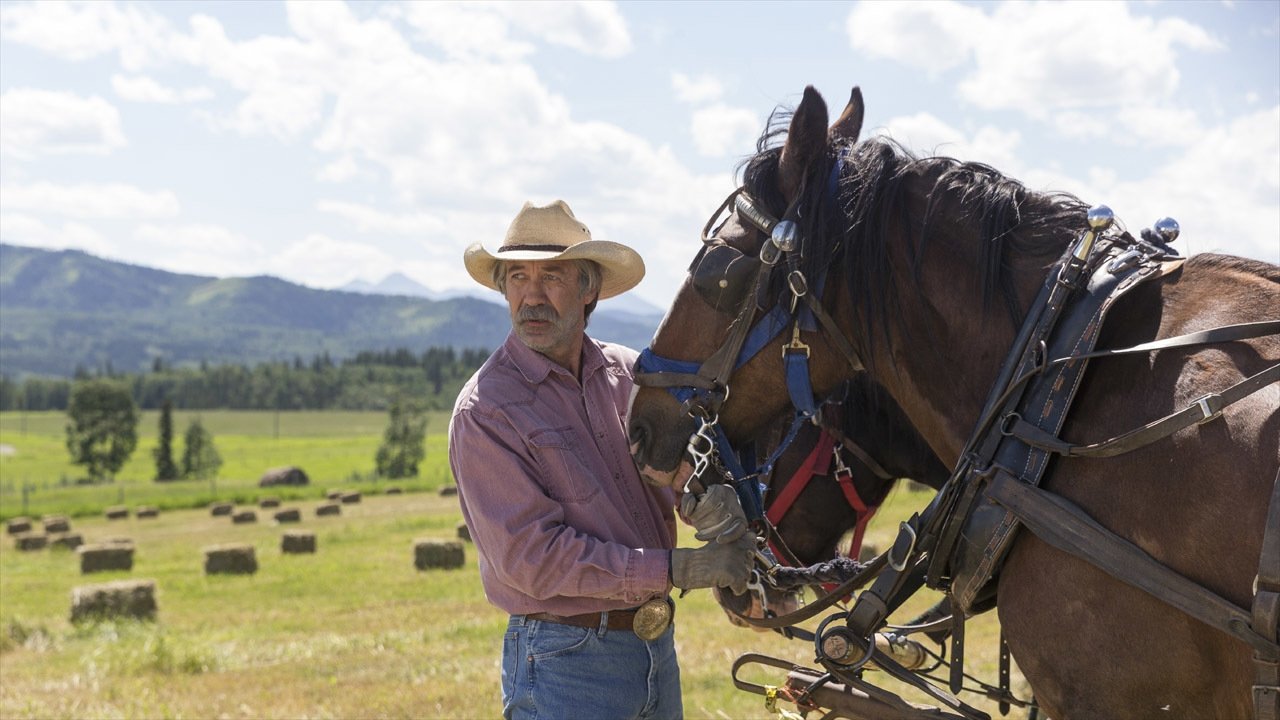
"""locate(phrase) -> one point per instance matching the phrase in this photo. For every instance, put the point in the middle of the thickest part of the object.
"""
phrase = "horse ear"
(849, 124)
(806, 143)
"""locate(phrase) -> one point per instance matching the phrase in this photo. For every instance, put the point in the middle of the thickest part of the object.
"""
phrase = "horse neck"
(873, 420)
(944, 348)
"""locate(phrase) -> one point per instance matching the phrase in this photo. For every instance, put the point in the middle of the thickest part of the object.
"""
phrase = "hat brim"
(622, 268)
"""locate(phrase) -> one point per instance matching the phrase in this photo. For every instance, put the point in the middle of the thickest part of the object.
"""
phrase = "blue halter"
(766, 329)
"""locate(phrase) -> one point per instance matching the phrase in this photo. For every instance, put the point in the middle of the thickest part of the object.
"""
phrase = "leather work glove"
(714, 565)
(717, 515)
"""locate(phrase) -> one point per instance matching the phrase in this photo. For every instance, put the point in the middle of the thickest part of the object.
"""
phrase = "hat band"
(543, 248)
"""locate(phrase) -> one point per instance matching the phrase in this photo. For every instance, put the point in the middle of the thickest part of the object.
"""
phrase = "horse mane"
(850, 228)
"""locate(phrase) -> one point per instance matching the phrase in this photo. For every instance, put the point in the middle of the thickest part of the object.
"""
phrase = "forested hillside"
(67, 311)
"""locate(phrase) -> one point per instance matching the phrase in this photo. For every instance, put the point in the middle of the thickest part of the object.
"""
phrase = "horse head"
(730, 287)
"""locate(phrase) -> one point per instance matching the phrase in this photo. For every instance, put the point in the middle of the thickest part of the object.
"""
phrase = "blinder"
(722, 276)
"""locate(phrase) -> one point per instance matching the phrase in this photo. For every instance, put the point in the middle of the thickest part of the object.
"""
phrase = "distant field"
(334, 448)
(351, 632)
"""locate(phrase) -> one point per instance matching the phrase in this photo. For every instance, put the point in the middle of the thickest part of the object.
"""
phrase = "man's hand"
(714, 565)
(717, 515)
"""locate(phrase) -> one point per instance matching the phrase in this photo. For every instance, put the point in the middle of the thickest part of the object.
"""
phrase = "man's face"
(547, 307)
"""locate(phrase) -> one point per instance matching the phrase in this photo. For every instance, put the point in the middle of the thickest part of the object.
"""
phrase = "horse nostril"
(639, 436)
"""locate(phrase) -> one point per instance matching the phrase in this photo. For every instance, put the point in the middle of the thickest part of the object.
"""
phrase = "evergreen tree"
(102, 430)
(403, 443)
(200, 459)
(165, 469)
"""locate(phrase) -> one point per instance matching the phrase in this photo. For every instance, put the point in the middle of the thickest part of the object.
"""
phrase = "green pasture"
(335, 448)
(354, 631)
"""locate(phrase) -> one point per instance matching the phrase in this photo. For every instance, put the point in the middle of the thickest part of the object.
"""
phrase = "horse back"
(1195, 501)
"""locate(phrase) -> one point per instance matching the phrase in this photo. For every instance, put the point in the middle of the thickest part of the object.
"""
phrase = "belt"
(618, 619)
(648, 621)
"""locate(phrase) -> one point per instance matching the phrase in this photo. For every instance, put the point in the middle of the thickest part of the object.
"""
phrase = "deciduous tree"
(102, 427)
(404, 442)
(200, 459)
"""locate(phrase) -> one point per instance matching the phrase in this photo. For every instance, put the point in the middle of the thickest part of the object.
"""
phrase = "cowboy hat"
(551, 232)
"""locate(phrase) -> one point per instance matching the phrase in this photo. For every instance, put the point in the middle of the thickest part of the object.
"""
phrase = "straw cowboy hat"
(551, 232)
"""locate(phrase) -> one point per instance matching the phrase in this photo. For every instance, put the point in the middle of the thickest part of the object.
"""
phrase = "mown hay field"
(351, 631)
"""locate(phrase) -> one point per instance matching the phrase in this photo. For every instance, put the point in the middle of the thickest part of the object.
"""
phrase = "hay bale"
(230, 560)
(329, 509)
(269, 502)
(334, 494)
(464, 532)
(99, 557)
(288, 515)
(147, 511)
(19, 525)
(119, 599)
(28, 541)
(288, 475)
(244, 516)
(448, 490)
(393, 490)
(351, 498)
(117, 512)
(298, 541)
(56, 524)
(437, 554)
(221, 508)
(67, 540)
(868, 552)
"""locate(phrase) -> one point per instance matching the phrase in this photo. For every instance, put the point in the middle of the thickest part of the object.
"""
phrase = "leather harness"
(994, 489)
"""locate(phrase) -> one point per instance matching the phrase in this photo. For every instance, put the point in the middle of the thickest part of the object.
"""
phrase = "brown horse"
(831, 478)
(932, 265)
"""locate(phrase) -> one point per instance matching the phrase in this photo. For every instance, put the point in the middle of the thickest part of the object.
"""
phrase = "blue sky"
(328, 142)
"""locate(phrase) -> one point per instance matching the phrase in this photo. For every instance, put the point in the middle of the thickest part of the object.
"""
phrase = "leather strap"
(1064, 525)
(1202, 410)
(1266, 614)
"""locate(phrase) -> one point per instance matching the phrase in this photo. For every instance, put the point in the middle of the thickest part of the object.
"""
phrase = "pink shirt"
(560, 517)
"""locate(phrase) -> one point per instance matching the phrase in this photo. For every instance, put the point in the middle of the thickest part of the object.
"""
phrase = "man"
(572, 544)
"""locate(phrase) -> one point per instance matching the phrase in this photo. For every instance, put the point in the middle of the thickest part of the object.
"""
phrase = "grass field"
(351, 632)
(334, 448)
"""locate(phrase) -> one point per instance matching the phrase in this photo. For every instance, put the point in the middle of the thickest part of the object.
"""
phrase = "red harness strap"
(819, 463)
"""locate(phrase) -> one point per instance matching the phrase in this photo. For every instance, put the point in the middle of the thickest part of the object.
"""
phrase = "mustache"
(544, 313)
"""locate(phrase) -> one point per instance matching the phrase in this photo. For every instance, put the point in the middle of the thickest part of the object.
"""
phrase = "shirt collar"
(535, 367)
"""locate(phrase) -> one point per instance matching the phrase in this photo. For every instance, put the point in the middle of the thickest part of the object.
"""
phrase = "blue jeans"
(551, 670)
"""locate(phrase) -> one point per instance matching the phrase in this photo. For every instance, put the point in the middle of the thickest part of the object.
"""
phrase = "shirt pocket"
(565, 476)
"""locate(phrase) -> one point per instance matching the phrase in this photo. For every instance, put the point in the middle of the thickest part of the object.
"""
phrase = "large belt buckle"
(652, 619)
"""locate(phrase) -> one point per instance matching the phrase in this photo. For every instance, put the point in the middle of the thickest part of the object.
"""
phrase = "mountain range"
(67, 309)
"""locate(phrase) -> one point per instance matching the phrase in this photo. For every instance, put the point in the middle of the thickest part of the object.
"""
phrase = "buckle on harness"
(796, 345)
(904, 530)
(1211, 407)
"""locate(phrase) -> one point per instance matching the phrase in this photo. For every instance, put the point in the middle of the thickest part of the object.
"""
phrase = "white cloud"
(196, 248)
(1036, 58)
(97, 201)
(140, 88)
(329, 262)
(931, 36)
(1242, 158)
(44, 122)
(372, 220)
(20, 229)
(80, 31)
(701, 89)
(592, 28)
(926, 134)
(721, 130)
